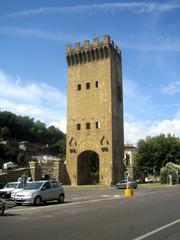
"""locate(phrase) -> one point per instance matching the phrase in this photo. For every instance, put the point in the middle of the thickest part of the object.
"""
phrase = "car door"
(56, 189)
(46, 191)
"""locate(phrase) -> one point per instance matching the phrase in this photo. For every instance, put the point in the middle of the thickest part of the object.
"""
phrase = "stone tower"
(95, 133)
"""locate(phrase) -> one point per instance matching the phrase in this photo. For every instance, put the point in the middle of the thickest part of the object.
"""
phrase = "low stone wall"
(13, 175)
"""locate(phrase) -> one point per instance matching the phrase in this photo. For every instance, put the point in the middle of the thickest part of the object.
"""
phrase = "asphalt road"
(152, 214)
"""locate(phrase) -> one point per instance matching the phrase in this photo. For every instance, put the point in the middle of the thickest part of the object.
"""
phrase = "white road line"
(157, 230)
(63, 205)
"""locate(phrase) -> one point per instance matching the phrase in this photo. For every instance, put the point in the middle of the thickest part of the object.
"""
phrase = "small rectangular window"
(88, 125)
(97, 84)
(72, 150)
(78, 126)
(98, 125)
(88, 85)
(79, 87)
(104, 149)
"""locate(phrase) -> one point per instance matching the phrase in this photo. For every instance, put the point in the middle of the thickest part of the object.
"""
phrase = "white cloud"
(61, 125)
(172, 89)
(27, 32)
(145, 42)
(136, 7)
(37, 100)
(134, 131)
(166, 127)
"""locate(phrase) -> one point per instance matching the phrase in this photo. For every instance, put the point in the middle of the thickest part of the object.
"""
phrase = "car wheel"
(61, 198)
(2, 210)
(37, 201)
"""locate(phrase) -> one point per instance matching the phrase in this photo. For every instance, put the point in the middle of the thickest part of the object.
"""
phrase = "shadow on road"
(9, 215)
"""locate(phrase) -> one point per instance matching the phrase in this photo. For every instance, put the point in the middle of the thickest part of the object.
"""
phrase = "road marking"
(157, 230)
(64, 205)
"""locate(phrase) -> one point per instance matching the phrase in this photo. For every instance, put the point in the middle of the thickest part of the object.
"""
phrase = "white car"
(18, 188)
(5, 192)
(148, 180)
(37, 192)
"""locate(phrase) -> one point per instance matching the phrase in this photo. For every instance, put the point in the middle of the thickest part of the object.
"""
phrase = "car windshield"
(20, 185)
(33, 185)
(11, 185)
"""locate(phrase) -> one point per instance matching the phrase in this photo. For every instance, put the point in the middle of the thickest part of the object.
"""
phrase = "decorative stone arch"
(97, 54)
(72, 59)
(89, 56)
(76, 58)
(106, 53)
(93, 54)
(68, 60)
(84, 57)
(80, 58)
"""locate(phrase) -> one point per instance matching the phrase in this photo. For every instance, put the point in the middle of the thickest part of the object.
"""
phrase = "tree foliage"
(23, 128)
(170, 173)
(155, 152)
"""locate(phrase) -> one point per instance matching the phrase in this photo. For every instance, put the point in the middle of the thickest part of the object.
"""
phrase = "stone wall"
(13, 175)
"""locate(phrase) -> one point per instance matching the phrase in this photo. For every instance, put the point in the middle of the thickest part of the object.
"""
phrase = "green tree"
(5, 132)
(154, 152)
(23, 128)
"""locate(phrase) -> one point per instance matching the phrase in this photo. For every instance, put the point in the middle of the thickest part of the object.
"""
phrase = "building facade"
(95, 133)
(129, 157)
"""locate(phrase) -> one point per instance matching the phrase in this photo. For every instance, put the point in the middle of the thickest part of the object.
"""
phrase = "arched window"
(79, 87)
(88, 85)
(78, 126)
(88, 125)
(98, 125)
(97, 84)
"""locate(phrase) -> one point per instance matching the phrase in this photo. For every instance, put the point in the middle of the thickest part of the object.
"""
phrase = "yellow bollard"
(128, 192)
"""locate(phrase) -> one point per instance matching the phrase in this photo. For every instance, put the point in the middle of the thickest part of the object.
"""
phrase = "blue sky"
(33, 71)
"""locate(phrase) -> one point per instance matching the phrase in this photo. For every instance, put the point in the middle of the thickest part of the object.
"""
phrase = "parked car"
(9, 165)
(123, 184)
(5, 192)
(22, 182)
(38, 192)
(17, 189)
(148, 180)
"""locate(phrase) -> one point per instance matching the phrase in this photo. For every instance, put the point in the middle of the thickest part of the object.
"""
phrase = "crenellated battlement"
(90, 51)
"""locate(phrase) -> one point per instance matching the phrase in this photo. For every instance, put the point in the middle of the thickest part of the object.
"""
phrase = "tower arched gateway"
(95, 138)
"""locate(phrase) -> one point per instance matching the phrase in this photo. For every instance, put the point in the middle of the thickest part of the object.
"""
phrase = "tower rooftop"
(95, 44)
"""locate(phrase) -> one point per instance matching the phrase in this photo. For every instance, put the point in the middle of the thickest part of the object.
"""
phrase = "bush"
(172, 170)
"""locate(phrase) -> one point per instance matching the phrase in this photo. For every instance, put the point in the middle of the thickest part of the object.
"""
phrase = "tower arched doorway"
(88, 168)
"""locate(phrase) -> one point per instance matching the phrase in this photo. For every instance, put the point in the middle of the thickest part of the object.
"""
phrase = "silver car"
(123, 184)
(38, 192)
